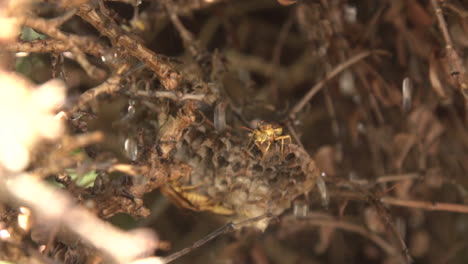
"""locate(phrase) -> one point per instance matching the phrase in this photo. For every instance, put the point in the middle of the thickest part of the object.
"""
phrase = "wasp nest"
(232, 179)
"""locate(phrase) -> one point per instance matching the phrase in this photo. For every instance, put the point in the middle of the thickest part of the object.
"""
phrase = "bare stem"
(430, 206)
(457, 70)
(337, 70)
(48, 28)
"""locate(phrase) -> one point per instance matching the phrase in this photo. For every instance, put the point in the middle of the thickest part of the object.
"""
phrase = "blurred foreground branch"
(57, 208)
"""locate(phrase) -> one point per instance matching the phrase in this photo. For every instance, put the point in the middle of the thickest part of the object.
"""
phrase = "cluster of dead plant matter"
(319, 131)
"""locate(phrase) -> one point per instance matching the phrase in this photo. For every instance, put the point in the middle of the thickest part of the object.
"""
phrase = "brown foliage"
(368, 98)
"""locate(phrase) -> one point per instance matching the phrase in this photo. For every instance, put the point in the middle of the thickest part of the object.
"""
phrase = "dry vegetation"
(308, 131)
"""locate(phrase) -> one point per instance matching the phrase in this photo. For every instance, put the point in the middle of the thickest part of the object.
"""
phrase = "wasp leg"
(249, 144)
(282, 138)
(259, 146)
(267, 147)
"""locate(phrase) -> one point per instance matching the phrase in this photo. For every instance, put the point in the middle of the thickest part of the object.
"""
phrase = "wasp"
(184, 197)
(267, 133)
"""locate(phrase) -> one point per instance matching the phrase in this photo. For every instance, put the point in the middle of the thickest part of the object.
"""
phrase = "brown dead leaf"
(434, 78)
(402, 189)
(326, 235)
(420, 243)
(402, 144)
(287, 2)
(325, 159)
(418, 15)
(426, 127)
(373, 220)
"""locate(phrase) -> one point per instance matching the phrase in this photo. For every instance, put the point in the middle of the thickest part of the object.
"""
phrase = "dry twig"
(229, 227)
(110, 86)
(189, 42)
(430, 206)
(57, 208)
(167, 75)
(56, 46)
(49, 29)
(294, 223)
(176, 96)
(337, 70)
(457, 71)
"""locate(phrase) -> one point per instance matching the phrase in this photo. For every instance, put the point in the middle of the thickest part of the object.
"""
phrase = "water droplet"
(142, 85)
(131, 111)
(323, 191)
(219, 119)
(407, 88)
(350, 13)
(361, 128)
(300, 209)
(131, 148)
(347, 84)
(109, 57)
(132, 102)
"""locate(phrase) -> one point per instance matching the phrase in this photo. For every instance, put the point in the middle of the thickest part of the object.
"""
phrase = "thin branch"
(276, 55)
(189, 41)
(187, 7)
(337, 70)
(58, 21)
(229, 227)
(110, 86)
(294, 134)
(398, 177)
(58, 208)
(168, 76)
(430, 206)
(54, 46)
(340, 224)
(391, 227)
(171, 95)
(89, 45)
(38, 46)
(254, 63)
(47, 28)
(457, 71)
(462, 13)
